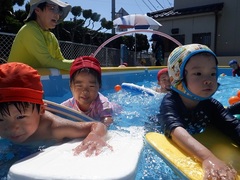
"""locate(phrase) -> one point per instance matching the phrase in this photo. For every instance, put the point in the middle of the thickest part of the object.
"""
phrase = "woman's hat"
(66, 8)
(85, 62)
(20, 83)
(177, 61)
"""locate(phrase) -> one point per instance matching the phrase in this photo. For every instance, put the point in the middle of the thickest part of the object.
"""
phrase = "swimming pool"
(138, 110)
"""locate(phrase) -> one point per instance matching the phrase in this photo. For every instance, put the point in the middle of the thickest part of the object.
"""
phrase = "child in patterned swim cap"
(189, 108)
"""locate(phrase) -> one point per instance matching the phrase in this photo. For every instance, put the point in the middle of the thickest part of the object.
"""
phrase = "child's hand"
(217, 169)
(92, 143)
(107, 121)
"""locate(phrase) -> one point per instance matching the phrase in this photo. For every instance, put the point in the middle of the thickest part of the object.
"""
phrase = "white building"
(214, 23)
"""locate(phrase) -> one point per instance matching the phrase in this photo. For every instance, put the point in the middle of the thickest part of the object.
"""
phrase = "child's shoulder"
(102, 97)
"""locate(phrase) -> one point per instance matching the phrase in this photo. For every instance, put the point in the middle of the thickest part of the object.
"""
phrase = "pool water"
(138, 109)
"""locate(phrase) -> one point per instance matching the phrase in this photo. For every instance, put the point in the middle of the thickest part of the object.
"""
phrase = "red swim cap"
(20, 83)
(162, 71)
(85, 62)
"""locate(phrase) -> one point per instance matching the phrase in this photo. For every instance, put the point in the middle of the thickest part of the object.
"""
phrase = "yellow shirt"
(37, 48)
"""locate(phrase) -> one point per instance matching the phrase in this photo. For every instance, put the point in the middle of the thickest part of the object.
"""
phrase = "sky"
(104, 7)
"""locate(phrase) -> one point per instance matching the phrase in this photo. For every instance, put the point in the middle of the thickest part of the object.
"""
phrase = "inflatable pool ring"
(234, 99)
(138, 89)
(66, 112)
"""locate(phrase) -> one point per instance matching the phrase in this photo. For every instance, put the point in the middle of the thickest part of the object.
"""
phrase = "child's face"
(85, 89)
(164, 82)
(18, 127)
(234, 66)
(200, 73)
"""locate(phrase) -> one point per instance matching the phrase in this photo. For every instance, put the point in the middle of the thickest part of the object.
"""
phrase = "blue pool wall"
(57, 84)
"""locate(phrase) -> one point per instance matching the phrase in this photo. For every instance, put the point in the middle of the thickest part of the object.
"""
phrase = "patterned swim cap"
(177, 61)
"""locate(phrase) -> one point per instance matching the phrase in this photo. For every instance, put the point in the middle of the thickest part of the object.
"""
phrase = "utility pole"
(113, 14)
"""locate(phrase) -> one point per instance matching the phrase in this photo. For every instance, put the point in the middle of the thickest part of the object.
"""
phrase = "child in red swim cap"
(85, 82)
(163, 81)
(23, 117)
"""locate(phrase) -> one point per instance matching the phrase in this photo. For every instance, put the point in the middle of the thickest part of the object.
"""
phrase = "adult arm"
(45, 48)
(38, 48)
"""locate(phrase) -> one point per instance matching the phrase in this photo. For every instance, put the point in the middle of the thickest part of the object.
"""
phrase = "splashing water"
(138, 109)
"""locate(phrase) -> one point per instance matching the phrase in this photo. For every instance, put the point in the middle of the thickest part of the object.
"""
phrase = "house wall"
(226, 32)
(228, 35)
(189, 25)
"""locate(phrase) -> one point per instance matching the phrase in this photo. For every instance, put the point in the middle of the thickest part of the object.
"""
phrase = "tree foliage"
(78, 29)
(7, 15)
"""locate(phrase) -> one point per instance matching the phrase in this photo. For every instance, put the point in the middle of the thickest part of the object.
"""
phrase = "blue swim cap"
(232, 62)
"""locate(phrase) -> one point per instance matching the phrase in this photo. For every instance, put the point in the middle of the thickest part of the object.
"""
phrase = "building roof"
(170, 12)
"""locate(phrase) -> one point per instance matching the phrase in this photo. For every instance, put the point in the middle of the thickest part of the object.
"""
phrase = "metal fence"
(6, 40)
(108, 57)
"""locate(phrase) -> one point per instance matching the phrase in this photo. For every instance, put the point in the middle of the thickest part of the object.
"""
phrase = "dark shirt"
(235, 108)
(236, 72)
(158, 51)
(173, 113)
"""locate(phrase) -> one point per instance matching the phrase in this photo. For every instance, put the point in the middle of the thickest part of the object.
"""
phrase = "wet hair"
(21, 107)
(33, 16)
(90, 71)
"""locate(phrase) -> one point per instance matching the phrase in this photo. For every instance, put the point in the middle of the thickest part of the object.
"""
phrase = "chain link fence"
(108, 57)
(6, 40)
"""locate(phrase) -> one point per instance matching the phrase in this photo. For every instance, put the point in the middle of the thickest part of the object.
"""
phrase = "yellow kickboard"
(183, 164)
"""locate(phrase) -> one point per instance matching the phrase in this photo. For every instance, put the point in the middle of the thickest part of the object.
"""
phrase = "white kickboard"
(58, 162)
(139, 89)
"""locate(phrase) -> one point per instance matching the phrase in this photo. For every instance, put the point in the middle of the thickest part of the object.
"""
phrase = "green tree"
(7, 18)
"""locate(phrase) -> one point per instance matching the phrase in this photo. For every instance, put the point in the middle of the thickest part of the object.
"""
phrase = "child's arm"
(93, 132)
(213, 167)
(95, 140)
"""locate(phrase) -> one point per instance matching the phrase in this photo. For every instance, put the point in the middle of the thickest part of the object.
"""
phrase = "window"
(202, 38)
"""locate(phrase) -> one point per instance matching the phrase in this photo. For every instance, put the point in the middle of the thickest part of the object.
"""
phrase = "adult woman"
(35, 44)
